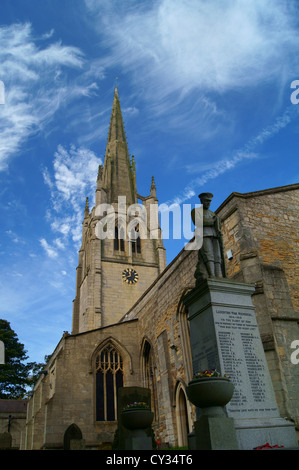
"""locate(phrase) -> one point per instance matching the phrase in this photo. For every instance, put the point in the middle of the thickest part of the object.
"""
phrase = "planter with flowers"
(209, 390)
(137, 415)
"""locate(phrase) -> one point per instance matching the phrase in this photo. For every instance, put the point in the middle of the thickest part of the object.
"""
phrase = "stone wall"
(66, 394)
(161, 323)
(158, 320)
(261, 230)
(264, 223)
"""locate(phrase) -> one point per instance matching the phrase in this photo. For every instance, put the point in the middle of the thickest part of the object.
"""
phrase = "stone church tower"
(131, 256)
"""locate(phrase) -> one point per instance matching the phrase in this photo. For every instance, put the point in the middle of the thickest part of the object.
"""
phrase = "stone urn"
(210, 393)
(137, 418)
(213, 430)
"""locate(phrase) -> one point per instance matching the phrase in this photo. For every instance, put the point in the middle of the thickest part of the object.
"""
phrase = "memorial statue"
(211, 254)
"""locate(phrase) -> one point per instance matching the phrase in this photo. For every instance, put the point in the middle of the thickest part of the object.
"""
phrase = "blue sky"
(205, 91)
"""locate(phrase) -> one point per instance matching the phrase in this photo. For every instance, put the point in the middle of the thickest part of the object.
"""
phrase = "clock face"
(130, 276)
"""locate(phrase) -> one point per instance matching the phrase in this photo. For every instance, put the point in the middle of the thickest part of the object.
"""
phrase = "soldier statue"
(211, 254)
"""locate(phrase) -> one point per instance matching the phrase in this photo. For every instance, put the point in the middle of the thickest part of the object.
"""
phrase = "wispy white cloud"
(71, 180)
(51, 252)
(178, 46)
(49, 34)
(35, 86)
(130, 111)
(248, 152)
(13, 236)
(20, 52)
(75, 171)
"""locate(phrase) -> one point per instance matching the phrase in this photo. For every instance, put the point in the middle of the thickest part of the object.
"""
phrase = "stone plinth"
(215, 433)
(213, 430)
(129, 438)
(5, 441)
(224, 335)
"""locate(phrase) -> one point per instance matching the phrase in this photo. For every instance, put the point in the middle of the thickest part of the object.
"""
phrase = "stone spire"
(118, 173)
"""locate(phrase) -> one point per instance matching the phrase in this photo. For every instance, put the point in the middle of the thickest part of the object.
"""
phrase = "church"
(130, 326)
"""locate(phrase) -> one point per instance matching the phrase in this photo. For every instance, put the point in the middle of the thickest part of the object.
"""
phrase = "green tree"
(16, 375)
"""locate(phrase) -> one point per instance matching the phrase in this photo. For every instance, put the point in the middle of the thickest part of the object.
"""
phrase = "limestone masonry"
(130, 326)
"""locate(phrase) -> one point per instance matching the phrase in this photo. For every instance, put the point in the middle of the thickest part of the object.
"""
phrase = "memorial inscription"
(224, 335)
(205, 354)
(242, 358)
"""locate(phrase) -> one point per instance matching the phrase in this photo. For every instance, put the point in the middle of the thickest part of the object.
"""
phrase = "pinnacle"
(86, 211)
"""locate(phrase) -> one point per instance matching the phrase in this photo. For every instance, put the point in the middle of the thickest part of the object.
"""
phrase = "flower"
(267, 446)
(209, 373)
(136, 404)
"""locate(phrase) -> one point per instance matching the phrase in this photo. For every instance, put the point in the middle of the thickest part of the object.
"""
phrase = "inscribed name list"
(242, 357)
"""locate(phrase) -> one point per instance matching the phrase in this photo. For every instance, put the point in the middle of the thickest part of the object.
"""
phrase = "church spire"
(118, 174)
(116, 128)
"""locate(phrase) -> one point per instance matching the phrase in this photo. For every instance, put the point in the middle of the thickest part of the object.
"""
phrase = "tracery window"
(109, 377)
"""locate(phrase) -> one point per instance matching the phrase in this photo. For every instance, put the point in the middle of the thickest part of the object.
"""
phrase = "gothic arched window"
(109, 377)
